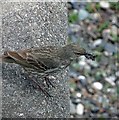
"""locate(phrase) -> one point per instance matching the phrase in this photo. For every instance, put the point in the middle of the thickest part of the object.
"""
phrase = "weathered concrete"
(25, 25)
(0, 64)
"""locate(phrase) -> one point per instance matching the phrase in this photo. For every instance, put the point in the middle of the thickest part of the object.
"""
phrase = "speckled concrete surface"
(0, 65)
(26, 25)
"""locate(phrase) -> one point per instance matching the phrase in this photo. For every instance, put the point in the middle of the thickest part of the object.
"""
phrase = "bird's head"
(78, 51)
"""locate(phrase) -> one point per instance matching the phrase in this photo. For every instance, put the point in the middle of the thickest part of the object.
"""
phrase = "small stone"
(83, 14)
(117, 73)
(81, 77)
(104, 4)
(97, 42)
(107, 53)
(76, 100)
(94, 63)
(95, 110)
(111, 48)
(72, 108)
(74, 27)
(80, 109)
(96, 16)
(21, 114)
(111, 80)
(97, 85)
(114, 30)
(82, 80)
(82, 61)
(78, 95)
(106, 33)
(114, 19)
(111, 90)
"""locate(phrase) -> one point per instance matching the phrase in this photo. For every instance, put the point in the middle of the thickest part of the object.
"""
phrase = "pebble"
(82, 80)
(83, 14)
(117, 73)
(104, 45)
(110, 48)
(111, 80)
(97, 85)
(106, 33)
(74, 27)
(97, 42)
(114, 30)
(80, 109)
(104, 4)
(95, 110)
(21, 114)
(78, 95)
(72, 108)
(81, 77)
(76, 100)
(111, 90)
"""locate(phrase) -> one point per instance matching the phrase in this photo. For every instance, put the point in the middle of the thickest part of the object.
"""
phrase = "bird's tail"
(10, 57)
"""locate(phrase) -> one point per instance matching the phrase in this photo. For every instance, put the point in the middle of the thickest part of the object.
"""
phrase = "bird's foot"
(48, 81)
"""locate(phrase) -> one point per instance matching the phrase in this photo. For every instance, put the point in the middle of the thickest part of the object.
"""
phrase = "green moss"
(115, 38)
(98, 55)
(103, 26)
(101, 118)
(73, 17)
(116, 56)
(118, 90)
(98, 76)
(72, 85)
(97, 6)
(89, 8)
(114, 5)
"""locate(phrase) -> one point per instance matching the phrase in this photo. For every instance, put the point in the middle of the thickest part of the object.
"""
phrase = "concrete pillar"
(26, 25)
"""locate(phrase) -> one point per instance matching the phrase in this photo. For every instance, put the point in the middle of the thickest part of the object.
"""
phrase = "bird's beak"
(90, 56)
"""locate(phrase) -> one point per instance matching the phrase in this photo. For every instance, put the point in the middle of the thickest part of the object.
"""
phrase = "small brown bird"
(45, 60)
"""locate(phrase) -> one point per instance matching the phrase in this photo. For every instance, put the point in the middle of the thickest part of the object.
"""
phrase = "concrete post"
(26, 25)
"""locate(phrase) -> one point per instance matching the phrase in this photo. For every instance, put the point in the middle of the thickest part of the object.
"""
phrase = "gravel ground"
(94, 84)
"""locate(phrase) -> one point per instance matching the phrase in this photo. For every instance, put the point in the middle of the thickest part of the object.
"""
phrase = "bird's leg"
(43, 90)
(46, 76)
(48, 81)
(38, 84)
(67, 63)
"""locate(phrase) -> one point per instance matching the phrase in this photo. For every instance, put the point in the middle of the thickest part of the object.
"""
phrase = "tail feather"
(14, 55)
(10, 57)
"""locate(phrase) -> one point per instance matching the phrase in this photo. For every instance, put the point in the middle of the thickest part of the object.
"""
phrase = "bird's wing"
(41, 59)
(45, 56)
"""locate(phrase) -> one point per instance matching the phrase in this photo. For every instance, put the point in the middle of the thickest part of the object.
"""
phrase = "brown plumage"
(45, 60)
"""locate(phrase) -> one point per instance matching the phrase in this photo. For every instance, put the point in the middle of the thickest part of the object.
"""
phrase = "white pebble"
(80, 109)
(111, 80)
(104, 4)
(97, 85)
(78, 95)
